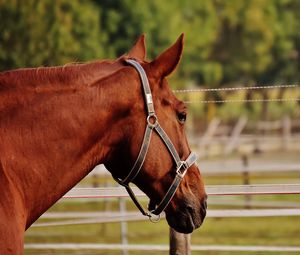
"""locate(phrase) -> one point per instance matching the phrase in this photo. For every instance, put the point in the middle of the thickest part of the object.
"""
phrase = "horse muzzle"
(187, 217)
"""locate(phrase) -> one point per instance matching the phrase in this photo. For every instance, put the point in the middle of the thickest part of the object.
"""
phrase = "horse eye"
(181, 117)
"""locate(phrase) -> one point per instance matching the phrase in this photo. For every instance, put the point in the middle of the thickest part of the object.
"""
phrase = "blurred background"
(243, 136)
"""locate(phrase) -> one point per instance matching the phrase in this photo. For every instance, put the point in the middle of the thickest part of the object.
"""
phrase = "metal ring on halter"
(152, 121)
(154, 219)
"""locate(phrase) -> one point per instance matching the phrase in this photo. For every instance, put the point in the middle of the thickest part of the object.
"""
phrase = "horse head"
(154, 152)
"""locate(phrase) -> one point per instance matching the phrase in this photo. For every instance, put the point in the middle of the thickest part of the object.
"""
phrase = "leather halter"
(152, 124)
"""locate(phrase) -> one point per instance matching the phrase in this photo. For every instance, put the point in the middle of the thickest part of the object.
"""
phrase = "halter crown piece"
(152, 124)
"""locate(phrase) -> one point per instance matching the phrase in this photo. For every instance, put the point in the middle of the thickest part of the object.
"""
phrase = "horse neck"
(64, 136)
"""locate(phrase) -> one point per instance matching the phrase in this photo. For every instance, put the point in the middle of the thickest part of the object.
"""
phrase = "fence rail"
(212, 190)
(159, 247)
(110, 217)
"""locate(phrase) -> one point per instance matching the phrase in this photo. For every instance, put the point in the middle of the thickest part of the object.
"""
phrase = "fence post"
(180, 244)
(124, 240)
(234, 137)
(246, 179)
(208, 135)
(286, 132)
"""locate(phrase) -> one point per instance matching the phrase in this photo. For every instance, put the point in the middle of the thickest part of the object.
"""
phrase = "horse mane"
(74, 74)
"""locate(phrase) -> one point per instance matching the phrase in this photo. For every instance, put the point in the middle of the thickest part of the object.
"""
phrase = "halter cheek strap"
(152, 124)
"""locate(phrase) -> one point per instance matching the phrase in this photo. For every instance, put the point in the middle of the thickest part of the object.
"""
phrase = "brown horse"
(58, 123)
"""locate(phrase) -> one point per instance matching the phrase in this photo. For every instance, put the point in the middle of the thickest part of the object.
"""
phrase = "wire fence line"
(200, 90)
(242, 100)
(236, 89)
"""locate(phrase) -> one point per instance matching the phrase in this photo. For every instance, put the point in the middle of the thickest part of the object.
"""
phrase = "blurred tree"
(285, 50)
(121, 25)
(226, 41)
(255, 40)
(257, 43)
(35, 33)
(124, 20)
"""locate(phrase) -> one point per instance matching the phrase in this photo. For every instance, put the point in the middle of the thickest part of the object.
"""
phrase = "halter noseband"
(152, 124)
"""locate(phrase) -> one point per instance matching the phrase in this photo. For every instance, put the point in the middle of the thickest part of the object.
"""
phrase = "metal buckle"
(182, 164)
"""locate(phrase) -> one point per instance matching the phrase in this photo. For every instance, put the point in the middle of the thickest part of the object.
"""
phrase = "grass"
(222, 231)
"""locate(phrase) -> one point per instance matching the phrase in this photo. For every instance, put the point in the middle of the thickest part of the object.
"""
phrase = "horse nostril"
(204, 204)
(190, 210)
(203, 209)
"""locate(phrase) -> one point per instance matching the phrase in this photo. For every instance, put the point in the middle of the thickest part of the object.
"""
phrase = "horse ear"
(167, 61)
(138, 50)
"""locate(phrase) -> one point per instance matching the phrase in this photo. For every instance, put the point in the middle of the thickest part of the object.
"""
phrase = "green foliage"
(35, 33)
(226, 41)
(254, 38)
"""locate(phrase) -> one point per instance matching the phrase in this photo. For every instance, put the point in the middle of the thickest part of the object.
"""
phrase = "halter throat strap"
(153, 124)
